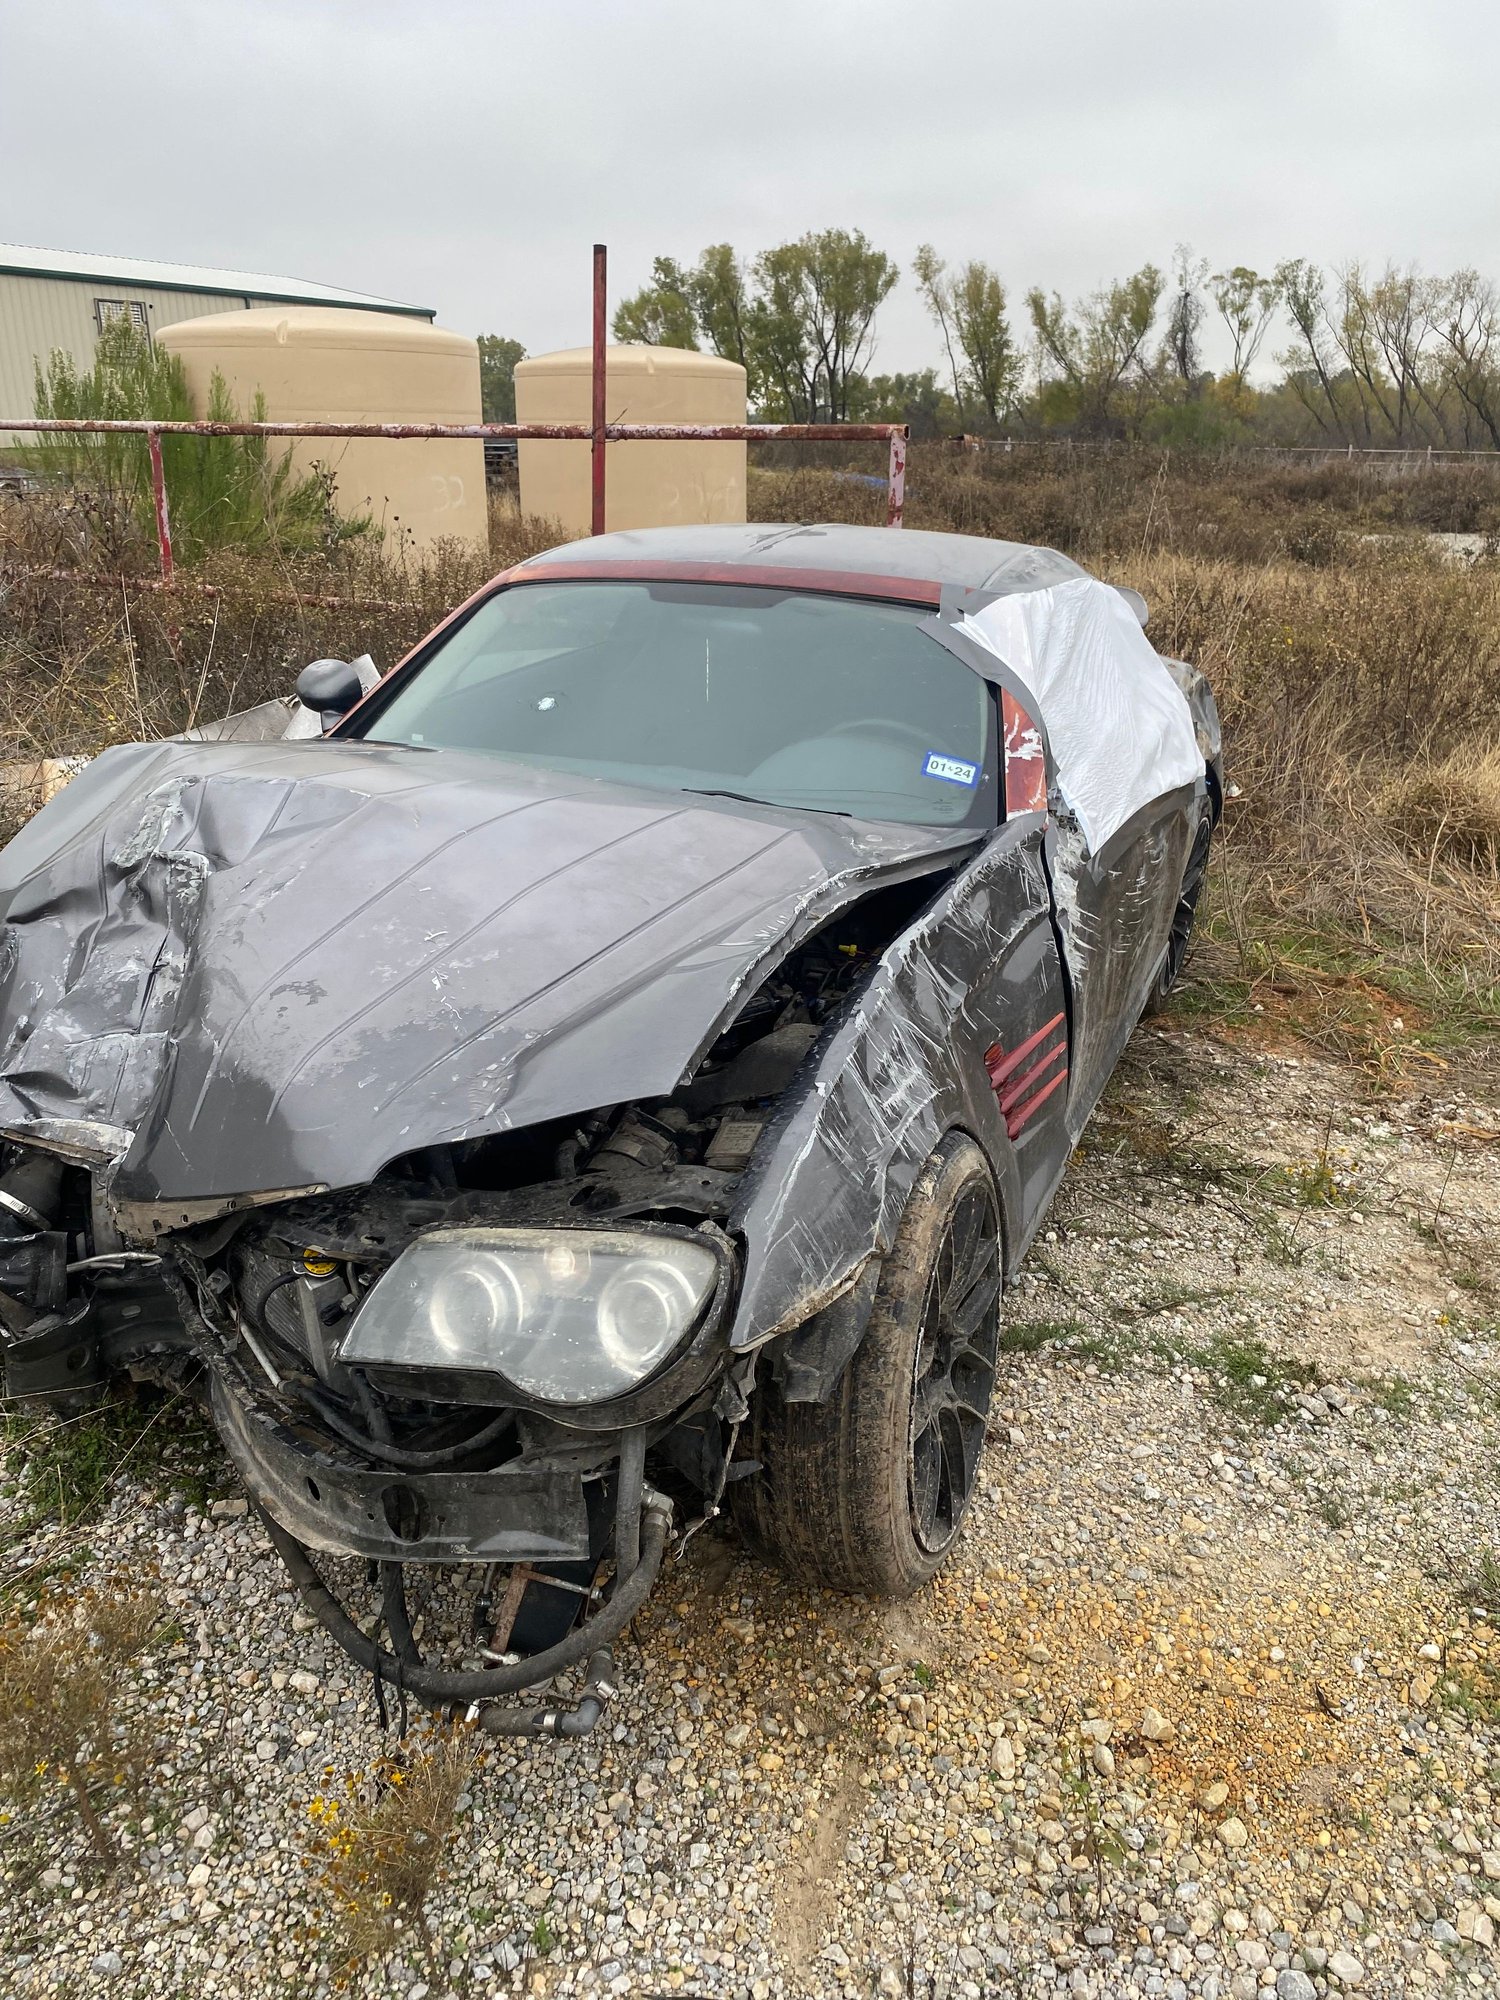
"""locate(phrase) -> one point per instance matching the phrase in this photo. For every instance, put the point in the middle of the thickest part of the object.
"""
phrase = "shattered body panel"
(275, 967)
(905, 1066)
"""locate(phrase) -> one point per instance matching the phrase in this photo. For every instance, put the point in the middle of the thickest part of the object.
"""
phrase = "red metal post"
(896, 483)
(597, 462)
(159, 500)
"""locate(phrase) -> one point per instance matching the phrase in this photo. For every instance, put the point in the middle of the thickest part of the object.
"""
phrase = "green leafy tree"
(662, 313)
(799, 320)
(718, 289)
(969, 308)
(776, 339)
(814, 317)
(497, 377)
(1096, 348)
(221, 492)
(918, 399)
(994, 366)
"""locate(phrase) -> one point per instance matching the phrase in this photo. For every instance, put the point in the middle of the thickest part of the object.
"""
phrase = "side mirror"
(330, 688)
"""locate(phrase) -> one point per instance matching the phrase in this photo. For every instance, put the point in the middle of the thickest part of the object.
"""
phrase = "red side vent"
(1025, 1078)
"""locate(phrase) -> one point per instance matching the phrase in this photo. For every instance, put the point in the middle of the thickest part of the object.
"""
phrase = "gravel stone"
(1186, 1603)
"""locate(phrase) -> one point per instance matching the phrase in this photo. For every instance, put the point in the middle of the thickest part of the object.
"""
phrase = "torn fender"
(904, 1066)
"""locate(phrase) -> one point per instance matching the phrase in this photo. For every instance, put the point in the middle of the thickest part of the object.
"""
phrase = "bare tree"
(1302, 286)
(933, 282)
(1355, 336)
(1468, 324)
(1180, 352)
(1404, 307)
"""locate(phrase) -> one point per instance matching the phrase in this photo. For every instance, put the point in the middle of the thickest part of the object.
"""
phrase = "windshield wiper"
(750, 799)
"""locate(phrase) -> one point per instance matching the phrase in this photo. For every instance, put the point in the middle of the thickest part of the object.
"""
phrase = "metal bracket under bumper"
(529, 1515)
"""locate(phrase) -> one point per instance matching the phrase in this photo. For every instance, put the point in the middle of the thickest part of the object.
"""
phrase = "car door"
(1114, 911)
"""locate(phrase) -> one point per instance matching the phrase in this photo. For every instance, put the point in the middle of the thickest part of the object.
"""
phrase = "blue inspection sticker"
(953, 769)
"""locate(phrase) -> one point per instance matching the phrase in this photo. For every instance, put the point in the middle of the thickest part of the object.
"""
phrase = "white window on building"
(106, 310)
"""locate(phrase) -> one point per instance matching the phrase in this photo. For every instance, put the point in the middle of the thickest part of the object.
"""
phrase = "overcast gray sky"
(465, 155)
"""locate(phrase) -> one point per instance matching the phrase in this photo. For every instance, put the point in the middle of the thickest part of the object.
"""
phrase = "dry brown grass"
(1356, 668)
(1448, 810)
(92, 662)
(380, 1841)
(1137, 500)
(61, 1675)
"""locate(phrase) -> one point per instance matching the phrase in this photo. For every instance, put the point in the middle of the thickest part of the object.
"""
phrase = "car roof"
(967, 562)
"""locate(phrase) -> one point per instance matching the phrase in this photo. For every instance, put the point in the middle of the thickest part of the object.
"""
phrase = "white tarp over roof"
(1120, 727)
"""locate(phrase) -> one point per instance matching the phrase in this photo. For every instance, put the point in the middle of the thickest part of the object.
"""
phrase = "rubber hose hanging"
(398, 1455)
(442, 1688)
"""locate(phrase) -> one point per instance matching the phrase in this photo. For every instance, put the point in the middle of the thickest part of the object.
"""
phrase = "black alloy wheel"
(866, 1492)
(955, 1369)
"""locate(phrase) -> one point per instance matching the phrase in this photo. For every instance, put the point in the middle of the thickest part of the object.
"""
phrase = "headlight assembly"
(564, 1316)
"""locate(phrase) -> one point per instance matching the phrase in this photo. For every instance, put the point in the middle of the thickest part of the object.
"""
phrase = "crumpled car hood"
(247, 968)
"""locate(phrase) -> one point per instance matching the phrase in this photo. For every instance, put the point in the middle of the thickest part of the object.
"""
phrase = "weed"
(544, 1940)
(61, 1674)
(1249, 1380)
(1171, 1297)
(1474, 1695)
(378, 1849)
(1482, 1586)
(1395, 1394)
(66, 1465)
(1101, 1845)
(1026, 1336)
(1319, 1184)
(923, 1675)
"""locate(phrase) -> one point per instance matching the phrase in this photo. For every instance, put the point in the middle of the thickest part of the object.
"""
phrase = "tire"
(1184, 916)
(860, 1494)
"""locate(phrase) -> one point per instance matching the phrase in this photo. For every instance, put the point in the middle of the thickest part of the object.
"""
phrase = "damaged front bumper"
(514, 1514)
(396, 1467)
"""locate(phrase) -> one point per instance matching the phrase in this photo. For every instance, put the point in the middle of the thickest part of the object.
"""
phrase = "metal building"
(61, 298)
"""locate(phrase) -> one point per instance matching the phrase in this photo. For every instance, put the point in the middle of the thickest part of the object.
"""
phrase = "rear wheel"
(1180, 937)
(867, 1491)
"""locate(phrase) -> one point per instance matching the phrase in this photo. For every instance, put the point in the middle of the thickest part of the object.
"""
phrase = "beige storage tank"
(649, 485)
(318, 364)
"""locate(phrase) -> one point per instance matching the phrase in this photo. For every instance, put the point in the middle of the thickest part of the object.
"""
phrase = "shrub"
(222, 492)
(380, 1844)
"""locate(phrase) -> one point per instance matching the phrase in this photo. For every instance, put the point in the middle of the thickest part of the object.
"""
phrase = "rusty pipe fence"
(597, 435)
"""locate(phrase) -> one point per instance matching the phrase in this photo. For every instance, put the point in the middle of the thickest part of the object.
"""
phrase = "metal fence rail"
(895, 435)
(1339, 453)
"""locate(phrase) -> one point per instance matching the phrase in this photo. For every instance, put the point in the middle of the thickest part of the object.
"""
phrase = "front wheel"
(866, 1492)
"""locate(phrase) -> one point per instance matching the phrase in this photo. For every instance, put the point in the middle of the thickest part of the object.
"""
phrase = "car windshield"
(834, 704)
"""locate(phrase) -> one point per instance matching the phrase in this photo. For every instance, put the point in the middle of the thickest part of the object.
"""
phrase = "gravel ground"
(1207, 1704)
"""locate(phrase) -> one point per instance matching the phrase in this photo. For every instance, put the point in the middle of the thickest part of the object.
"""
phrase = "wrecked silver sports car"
(610, 1072)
